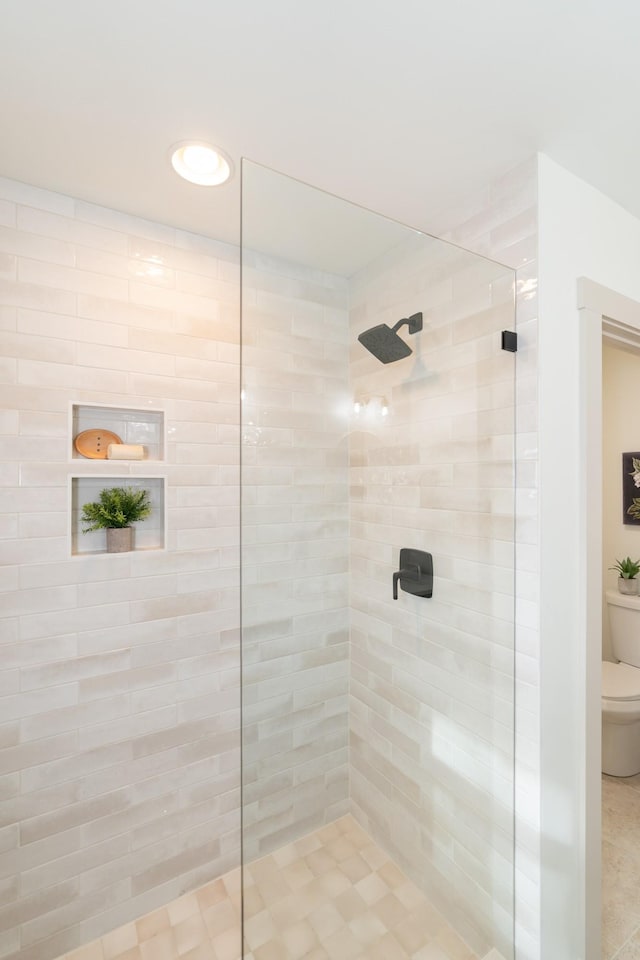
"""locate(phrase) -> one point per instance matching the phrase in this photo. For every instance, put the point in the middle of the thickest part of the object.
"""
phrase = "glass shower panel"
(378, 733)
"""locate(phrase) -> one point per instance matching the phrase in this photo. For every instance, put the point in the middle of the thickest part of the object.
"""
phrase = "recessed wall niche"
(149, 534)
(145, 427)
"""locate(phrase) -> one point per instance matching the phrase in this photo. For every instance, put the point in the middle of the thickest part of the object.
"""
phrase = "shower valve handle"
(415, 575)
(409, 573)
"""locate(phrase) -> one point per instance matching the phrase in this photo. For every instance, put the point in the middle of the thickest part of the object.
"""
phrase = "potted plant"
(115, 510)
(628, 570)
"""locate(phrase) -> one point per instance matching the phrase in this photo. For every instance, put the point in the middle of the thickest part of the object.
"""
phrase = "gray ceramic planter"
(119, 539)
(628, 587)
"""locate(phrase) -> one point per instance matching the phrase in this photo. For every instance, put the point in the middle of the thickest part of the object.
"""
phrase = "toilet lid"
(620, 681)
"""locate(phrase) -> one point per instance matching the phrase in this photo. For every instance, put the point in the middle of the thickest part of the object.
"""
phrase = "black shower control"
(415, 574)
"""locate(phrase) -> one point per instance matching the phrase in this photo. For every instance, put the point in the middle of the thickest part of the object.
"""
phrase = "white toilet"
(621, 689)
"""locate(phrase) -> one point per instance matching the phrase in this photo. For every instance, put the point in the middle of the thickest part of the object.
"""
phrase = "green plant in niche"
(628, 569)
(117, 507)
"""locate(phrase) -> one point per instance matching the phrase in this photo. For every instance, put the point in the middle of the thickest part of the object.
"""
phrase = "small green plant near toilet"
(114, 511)
(627, 570)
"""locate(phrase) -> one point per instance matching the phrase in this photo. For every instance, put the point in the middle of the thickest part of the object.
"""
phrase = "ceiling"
(398, 106)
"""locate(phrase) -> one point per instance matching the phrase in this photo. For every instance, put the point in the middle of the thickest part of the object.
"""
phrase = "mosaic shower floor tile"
(332, 895)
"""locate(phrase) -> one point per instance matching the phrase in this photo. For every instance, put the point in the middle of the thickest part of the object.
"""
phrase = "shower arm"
(414, 322)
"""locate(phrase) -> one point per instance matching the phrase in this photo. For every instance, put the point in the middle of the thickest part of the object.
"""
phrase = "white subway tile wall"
(432, 679)
(501, 222)
(119, 714)
(295, 551)
(463, 494)
(120, 680)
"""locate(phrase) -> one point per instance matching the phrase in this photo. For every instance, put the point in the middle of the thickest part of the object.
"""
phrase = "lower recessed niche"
(149, 534)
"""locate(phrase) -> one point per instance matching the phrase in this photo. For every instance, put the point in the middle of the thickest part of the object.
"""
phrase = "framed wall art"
(631, 488)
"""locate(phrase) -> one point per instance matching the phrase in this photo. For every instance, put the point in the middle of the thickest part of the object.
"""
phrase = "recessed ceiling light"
(201, 163)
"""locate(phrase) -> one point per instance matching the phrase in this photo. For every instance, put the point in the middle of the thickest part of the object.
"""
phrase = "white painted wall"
(581, 233)
(620, 434)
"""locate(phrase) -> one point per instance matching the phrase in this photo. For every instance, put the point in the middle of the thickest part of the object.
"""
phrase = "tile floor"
(332, 895)
(620, 868)
(335, 894)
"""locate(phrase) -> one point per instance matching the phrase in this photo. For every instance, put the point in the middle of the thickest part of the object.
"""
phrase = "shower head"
(385, 344)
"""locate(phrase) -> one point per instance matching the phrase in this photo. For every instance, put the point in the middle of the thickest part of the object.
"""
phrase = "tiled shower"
(120, 706)
(398, 712)
(121, 693)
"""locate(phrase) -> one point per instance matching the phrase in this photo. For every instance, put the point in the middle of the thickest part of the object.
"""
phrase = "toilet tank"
(624, 624)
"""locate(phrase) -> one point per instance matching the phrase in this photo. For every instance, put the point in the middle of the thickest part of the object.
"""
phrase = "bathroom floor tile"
(333, 895)
(620, 868)
(631, 949)
(355, 900)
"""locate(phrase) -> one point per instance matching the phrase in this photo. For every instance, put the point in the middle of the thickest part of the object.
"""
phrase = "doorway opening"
(610, 351)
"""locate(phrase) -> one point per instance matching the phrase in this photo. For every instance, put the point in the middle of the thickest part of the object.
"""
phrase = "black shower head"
(385, 344)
